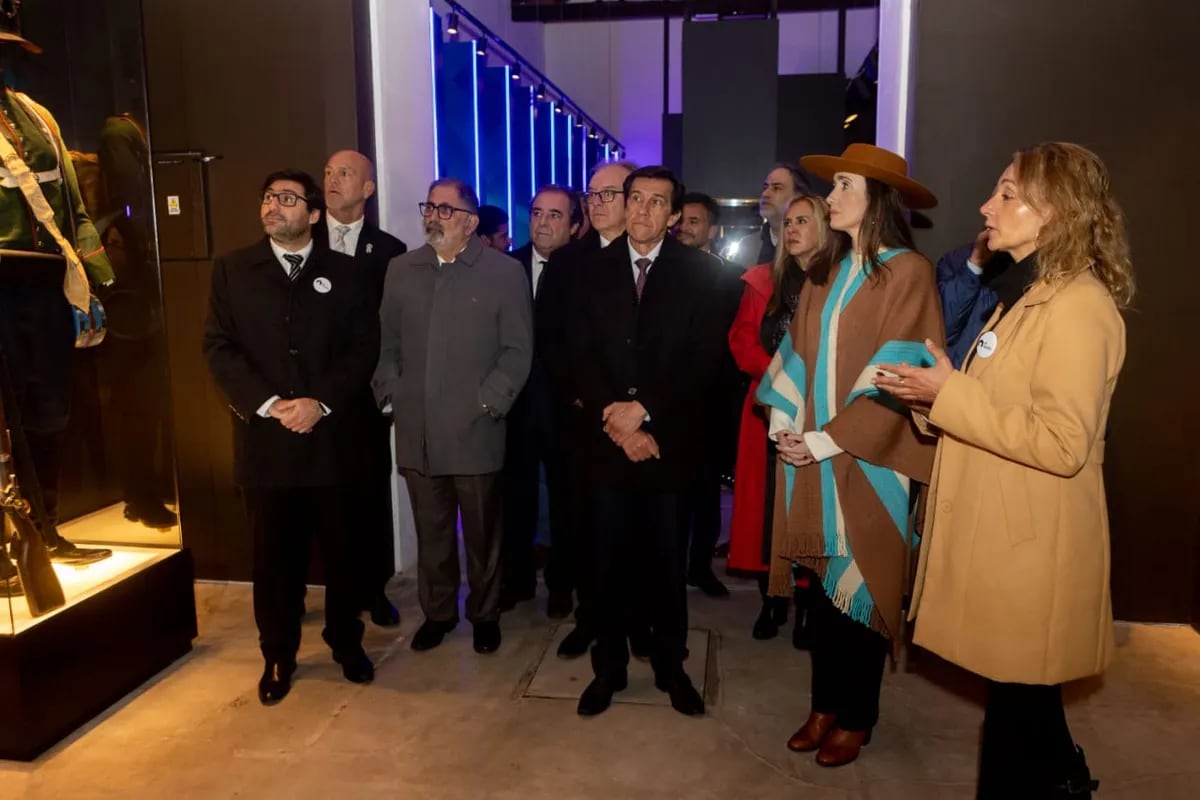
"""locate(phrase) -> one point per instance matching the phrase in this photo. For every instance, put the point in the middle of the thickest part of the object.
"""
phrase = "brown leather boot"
(840, 747)
(810, 736)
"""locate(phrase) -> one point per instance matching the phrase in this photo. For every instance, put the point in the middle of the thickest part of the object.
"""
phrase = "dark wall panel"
(224, 79)
(811, 111)
(729, 113)
(1119, 78)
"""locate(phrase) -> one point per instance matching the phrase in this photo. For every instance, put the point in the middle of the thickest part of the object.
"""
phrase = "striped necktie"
(295, 259)
(339, 238)
(643, 266)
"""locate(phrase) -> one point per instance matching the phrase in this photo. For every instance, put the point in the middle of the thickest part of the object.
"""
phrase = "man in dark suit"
(605, 210)
(349, 183)
(644, 348)
(291, 340)
(782, 183)
(698, 226)
(457, 340)
(534, 440)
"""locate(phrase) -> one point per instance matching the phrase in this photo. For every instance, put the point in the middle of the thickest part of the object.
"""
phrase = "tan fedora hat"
(873, 162)
(10, 26)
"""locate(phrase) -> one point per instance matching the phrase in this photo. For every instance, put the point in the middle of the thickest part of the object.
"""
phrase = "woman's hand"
(793, 450)
(916, 387)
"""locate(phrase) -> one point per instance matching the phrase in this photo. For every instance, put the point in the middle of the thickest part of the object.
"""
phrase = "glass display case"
(95, 591)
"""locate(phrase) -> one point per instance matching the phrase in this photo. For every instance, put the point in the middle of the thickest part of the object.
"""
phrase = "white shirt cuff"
(325, 410)
(821, 445)
(265, 409)
(978, 270)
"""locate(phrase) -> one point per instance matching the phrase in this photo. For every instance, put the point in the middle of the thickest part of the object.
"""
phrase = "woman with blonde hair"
(849, 456)
(1013, 580)
(768, 302)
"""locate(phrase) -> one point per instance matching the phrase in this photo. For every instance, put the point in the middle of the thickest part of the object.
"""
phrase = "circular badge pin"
(322, 285)
(987, 345)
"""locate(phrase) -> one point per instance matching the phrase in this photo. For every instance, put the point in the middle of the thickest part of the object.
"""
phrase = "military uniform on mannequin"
(125, 221)
(38, 286)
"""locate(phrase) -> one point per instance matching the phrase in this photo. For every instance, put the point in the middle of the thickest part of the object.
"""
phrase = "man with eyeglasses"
(457, 339)
(291, 339)
(605, 209)
(644, 347)
(349, 182)
(533, 433)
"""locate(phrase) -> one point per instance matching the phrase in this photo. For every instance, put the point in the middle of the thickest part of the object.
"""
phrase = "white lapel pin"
(987, 345)
(370, 247)
(322, 285)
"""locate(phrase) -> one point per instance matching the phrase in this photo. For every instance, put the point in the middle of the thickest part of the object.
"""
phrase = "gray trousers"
(437, 503)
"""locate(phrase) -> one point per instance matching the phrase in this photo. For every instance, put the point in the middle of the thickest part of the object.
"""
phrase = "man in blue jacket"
(963, 275)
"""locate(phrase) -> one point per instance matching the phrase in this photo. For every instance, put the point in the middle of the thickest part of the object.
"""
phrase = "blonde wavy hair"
(783, 259)
(1085, 229)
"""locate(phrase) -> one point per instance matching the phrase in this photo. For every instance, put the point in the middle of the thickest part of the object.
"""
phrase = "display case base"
(65, 670)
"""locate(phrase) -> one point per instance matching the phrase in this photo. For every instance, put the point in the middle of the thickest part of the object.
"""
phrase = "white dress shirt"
(604, 242)
(634, 255)
(350, 243)
(304, 252)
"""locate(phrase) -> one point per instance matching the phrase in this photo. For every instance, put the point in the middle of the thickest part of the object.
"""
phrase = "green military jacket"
(35, 136)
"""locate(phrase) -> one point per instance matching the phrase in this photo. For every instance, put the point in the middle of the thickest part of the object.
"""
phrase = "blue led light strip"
(570, 144)
(475, 110)
(508, 187)
(433, 78)
(532, 142)
(553, 149)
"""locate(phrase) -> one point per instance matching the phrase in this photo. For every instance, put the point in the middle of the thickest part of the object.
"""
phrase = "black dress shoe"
(510, 597)
(560, 605)
(383, 613)
(598, 695)
(487, 637)
(152, 515)
(356, 666)
(772, 616)
(430, 634)
(576, 642)
(684, 697)
(708, 583)
(276, 681)
(640, 643)
(67, 553)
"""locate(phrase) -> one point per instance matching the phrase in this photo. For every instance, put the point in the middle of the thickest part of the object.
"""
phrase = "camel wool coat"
(1013, 577)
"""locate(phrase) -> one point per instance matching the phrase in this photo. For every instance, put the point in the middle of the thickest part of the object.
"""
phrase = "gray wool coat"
(455, 349)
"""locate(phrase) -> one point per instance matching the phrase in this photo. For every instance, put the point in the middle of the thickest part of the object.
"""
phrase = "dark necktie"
(537, 287)
(643, 266)
(295, 259)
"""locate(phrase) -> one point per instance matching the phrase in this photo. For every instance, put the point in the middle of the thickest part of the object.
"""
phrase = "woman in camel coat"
(1013, 578)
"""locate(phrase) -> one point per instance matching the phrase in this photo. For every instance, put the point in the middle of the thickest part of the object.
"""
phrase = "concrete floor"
(450, 724)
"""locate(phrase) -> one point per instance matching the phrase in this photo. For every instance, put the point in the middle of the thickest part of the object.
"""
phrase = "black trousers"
(703, 516)
(37, 342)
(571, 557)
(847, 666)
(437, 503)
(1027, 746)
(374, 553)
(638, 560)
(283, 522)
(533, 445)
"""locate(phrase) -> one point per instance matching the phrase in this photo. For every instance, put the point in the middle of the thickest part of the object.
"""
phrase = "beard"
(281, 230)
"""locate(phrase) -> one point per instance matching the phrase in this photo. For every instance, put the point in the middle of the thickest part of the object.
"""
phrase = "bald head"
(349, 181)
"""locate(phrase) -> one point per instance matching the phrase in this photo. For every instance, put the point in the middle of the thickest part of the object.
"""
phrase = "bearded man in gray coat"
(456, 343)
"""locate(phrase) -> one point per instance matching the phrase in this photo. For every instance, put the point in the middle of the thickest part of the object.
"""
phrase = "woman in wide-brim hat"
(849, 456)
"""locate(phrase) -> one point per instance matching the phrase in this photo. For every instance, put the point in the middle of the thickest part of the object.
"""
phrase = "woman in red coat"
(768, 302)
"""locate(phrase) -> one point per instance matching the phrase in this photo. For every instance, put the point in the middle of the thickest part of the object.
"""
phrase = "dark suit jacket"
(662, 351)
(376, 249)
(553, 313)
(266, 335)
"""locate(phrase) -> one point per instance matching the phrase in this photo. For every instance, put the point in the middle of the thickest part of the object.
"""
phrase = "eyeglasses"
(285, 199)
(443, 211)
(601, 196)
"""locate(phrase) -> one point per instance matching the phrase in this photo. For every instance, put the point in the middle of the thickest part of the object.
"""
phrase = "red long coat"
(749, 490)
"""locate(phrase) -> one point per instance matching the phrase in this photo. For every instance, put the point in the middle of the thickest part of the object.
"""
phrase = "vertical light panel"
(508, 143)
(553, 148)
(532, 142)
(433, 82)
(570, 145)
(475, 112)
(583, 161)
(893, 104)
